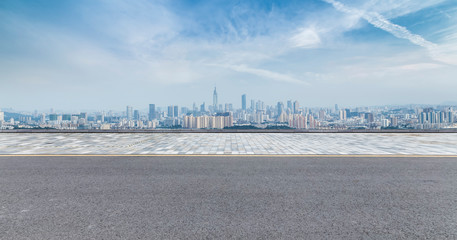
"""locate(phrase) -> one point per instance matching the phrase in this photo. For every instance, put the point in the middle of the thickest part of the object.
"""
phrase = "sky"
(106, 54)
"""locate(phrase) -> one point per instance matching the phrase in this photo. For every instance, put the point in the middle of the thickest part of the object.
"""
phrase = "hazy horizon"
(144, 108)
(110, 54)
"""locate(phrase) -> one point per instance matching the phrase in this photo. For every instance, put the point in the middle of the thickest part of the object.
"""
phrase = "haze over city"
(76, 55)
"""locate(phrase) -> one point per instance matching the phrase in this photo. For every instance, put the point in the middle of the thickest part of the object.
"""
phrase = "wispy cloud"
(162, 45)
(381, 22)
(275, 76)
(306, 38)
(437, 52)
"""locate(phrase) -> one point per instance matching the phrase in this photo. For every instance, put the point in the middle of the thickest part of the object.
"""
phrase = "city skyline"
(284, 114)
(79, 54)
(214, 96)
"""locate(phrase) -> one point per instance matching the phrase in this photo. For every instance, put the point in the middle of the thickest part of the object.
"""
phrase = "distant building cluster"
(257, 115)
(219, 121)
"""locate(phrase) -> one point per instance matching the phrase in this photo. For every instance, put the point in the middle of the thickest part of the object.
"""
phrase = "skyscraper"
(176, 111)
(171, 112)
(342, 114)
(129, 112)
(136, 115)
(296, 107)
(289, 104)
(215, 99)
(152, 112)
(243, 102)
(280, 108)
(202, 108)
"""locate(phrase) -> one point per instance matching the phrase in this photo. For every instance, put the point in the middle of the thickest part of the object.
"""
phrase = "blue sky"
(107, 54)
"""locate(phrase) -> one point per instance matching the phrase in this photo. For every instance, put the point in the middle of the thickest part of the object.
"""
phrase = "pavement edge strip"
(229, 155)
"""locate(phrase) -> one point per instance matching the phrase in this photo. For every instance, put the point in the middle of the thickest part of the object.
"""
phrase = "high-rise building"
(171, 112)
(194, 108)
(394, 121)
(280, 108)
(2, 116)
(296, 107)
(83, 115)
(66, 117)
(152, 112)
(243, 102)
(342, 114)
(129, 113)
(52, 117)
(321, 115)
(176, 111)
(289, 104)
(297, 121)
(260, 106)
(450, 116)
(369, 117)
(227, 107)
(202, 107)
(215, 99)
(136, 115)
(184, 110)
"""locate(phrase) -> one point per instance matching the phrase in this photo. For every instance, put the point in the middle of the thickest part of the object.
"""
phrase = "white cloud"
(395, 8)
(381, 22)
(280, 77)
(418, 66)
(306, 38)
(146, 46)
(439, 53)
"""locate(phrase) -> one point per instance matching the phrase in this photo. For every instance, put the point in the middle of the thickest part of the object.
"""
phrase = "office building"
(296, 107)
(243, 102)
(83, 115)
(52, 117)
(176, 111)
(171, 112)
(152, 112)
(129, 112)
(202, 108)
(342, 114)
(289, 104)
(66, 117)
(280, 108)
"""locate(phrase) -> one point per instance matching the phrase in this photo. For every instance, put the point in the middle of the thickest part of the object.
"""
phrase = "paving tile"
(228, 143)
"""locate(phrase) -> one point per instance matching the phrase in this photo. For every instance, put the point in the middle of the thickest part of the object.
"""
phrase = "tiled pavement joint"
(230, 144)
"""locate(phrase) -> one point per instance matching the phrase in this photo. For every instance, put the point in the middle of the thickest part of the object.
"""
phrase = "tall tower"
(152, 112)
(215, 99)
(296, 107)
(243, 102)
(129, 112)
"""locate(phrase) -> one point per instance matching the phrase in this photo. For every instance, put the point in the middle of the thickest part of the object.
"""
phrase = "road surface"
(227, 197)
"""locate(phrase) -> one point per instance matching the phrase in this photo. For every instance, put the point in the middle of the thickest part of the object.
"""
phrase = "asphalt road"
(227, 197)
